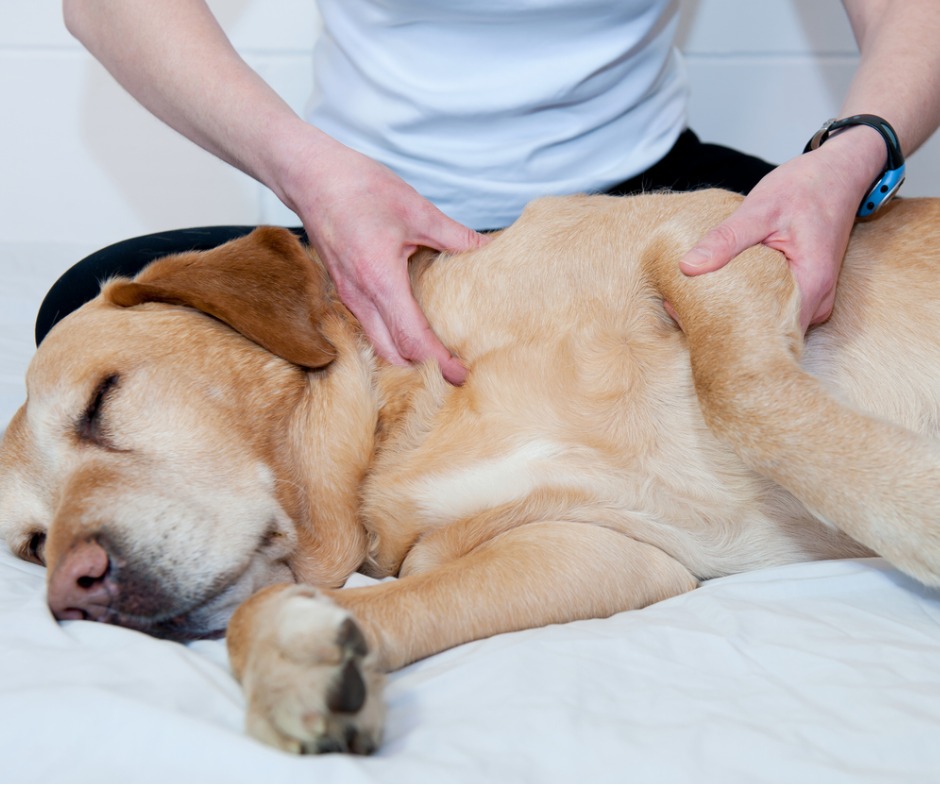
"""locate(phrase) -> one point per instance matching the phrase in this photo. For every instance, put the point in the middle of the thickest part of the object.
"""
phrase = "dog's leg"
(312, 687)
(878, 482)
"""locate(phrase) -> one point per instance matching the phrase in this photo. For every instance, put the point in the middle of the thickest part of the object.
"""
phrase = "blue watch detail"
(887, 184)
(884, 189)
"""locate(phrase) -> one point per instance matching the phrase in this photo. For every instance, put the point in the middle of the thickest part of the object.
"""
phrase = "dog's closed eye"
(90, 426)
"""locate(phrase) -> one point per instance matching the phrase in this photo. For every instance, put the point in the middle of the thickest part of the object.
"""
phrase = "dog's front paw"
(310, 683)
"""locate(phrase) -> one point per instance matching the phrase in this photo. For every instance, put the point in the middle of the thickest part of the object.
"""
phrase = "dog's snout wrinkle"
(80, 586)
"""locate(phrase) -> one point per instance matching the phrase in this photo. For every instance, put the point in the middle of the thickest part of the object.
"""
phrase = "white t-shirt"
(482, 105)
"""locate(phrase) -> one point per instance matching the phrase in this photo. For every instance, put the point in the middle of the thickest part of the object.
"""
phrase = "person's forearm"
(898, 76)
(361, 218)
(173, 57)
(898, 79)
(806, 207)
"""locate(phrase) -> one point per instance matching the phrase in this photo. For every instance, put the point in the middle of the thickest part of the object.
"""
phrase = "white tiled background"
(83, 165)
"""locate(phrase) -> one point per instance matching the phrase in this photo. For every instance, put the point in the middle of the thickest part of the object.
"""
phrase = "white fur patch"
(490, 483)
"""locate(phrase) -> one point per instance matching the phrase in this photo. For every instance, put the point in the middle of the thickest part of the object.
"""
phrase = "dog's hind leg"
(876, 481)
(313, 684)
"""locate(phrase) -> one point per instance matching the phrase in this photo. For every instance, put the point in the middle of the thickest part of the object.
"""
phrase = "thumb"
(451, 236)
(720, 245)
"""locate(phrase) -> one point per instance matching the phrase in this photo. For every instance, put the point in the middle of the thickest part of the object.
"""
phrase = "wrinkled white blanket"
(826, 672)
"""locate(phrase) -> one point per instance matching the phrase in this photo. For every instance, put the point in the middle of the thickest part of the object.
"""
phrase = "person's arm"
(363, 220)
(806, 207)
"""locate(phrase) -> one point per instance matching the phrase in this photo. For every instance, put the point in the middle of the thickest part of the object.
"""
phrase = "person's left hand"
(804, 208)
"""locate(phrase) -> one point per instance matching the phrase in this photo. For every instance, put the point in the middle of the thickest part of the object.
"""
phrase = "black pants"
(690, 165)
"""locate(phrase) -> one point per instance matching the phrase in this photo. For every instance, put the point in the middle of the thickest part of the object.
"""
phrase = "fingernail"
(697, 257)
(455, 372)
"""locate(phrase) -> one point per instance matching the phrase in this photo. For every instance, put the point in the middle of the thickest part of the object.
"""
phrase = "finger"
(822, 313)
(397, 328)
(415, 341)
(817, 294)
(378, 334)
(673, 314)
(405, 345)
(723, 243)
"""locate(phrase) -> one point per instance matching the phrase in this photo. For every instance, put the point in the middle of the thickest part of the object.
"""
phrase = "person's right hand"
(365, 222)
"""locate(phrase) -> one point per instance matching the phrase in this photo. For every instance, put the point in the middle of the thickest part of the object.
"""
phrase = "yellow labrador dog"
(216, 440)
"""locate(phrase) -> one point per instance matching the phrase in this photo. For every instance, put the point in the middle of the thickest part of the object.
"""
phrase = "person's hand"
(365, 222)
(805, 208)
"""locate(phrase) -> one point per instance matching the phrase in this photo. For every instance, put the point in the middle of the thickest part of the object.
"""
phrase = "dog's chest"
(475, 488)
(474, 459)
(462, 472)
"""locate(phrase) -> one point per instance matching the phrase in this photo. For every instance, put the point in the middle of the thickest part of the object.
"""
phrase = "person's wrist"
(889, 178)
(860, 152)
(295, 153)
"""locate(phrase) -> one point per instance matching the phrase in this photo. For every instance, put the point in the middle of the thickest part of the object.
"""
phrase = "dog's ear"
(264, 285)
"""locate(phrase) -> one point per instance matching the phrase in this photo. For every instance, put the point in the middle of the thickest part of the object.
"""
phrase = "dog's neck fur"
(385, 399)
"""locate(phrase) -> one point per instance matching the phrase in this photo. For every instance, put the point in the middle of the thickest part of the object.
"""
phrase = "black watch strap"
(885, 185)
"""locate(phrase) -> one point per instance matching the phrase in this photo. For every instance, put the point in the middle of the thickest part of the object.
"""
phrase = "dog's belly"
(897, 381)
(880, 350)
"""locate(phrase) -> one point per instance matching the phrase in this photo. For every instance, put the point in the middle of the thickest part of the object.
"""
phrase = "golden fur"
(597, 459)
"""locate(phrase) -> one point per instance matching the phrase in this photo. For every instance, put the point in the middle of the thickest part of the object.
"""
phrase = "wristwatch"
(885, 185)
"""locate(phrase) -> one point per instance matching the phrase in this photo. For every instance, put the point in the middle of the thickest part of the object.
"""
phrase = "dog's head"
(154, 467)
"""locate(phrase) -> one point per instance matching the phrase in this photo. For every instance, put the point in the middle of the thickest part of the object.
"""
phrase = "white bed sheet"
(825, 672)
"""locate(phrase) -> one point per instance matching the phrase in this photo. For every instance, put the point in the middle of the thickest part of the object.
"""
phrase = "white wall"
(82, 164)
(766, 73)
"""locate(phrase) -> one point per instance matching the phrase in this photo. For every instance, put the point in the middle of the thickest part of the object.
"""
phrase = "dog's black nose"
(79, 585)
